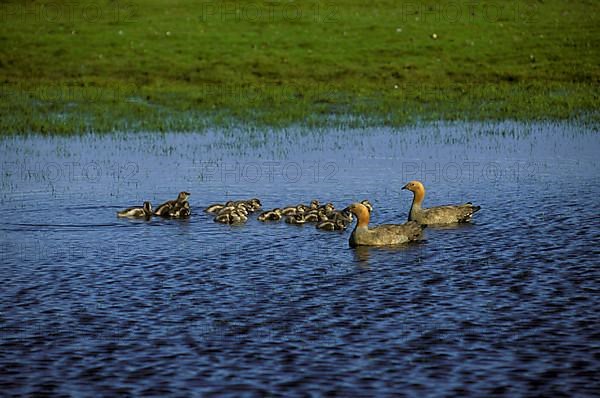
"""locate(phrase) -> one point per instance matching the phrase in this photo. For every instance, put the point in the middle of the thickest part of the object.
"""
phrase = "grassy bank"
(183, 65)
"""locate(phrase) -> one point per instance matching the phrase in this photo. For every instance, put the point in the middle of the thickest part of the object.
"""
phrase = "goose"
(439, 215)
(382, 235)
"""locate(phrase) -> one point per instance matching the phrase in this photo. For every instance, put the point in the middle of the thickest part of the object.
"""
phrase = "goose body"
(137, 212)
(439, 215)
(382, 235)
(169, 206)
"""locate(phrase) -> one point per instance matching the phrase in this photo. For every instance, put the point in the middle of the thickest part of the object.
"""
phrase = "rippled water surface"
(98, 306)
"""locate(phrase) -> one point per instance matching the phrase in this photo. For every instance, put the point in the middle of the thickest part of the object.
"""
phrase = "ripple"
(92, 305)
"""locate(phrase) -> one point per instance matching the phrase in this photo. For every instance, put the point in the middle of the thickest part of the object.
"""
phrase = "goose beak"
(405, 187)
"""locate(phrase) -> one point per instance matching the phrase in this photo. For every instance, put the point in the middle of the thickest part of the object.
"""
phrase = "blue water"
(93, 305)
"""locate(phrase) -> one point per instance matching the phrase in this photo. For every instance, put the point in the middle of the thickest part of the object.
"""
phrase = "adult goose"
(448, 214)
(382, 235)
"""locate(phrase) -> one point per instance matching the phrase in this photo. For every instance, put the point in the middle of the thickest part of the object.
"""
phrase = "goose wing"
(450, 213)
(387, 234)
(410, 230)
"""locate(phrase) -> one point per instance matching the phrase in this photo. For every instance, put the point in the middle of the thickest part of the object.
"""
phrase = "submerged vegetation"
(159, 66)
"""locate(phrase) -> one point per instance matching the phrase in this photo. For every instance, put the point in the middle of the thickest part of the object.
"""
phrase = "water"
(94, 305)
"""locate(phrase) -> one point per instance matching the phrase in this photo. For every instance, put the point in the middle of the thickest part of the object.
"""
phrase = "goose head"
(361, 212)
(414, 186)
(417, 188)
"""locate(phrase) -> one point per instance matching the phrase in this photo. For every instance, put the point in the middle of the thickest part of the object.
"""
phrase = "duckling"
(298, 219)
(314, 204)
(327, 207)
(137, 212)
(270, 215)
(226, 209)
(368, 205)
(331, 225)
(214, 208)
(165, 208)
(344, 216)
(243, 206)
(223, 218)
(242, 209)
(314, 216)
(326, 225)
(289, 211)
(255, 203)
(232, 217)
(251, 205)
(292, 210)
(237, 218)
(439, 215)
(180, 210)
(323, 215)
(383, 234)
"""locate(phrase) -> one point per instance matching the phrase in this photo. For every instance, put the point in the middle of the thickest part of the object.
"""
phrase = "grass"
(69, 67)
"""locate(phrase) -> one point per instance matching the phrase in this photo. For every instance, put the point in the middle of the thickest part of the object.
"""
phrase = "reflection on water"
(96, 305)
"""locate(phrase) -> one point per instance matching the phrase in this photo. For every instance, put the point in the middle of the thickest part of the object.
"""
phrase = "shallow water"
(95, 305)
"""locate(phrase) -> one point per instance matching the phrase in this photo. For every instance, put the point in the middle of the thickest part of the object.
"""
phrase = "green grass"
(69, 67)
